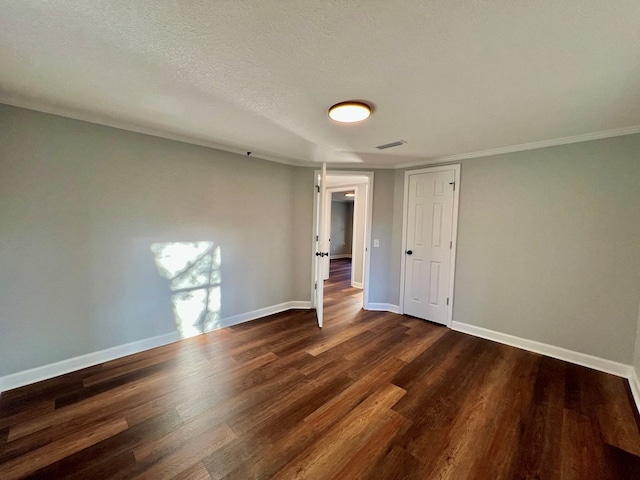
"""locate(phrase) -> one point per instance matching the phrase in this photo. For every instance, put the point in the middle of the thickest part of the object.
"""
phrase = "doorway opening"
(346, 237)
(338, 285)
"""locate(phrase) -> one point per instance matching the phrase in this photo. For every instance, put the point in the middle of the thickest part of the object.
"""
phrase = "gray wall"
(548, 245)
(80, 205)
(382, 229)
(548, 239)
(301, 254)
(341, 227)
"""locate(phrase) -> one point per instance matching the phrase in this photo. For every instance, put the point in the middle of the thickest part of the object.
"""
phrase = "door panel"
(434, 284)
(436, 230)
(416, 268)
(429, 233)
(321, 243)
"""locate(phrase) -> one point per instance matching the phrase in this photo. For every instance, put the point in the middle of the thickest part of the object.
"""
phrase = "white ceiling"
(454, 79)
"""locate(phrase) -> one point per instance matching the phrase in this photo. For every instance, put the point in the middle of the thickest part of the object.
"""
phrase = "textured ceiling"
(449, 77)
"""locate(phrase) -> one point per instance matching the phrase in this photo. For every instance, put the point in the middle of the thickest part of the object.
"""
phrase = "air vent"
(397, 143)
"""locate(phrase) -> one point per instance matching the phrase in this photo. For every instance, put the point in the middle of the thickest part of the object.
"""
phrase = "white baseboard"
(300, 304)
(357, 285)
(634, 383)
(263, 312)
(601, 364)
(45, 372)
(383, 307)
(340, 255)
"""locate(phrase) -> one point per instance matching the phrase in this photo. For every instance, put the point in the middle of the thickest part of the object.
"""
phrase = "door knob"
(409, 252)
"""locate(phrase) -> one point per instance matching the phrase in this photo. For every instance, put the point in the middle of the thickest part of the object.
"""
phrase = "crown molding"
(299, 162)
(99, 120)
(619, 132)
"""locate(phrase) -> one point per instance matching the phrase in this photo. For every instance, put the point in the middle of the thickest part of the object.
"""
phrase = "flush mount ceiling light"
(349, 112)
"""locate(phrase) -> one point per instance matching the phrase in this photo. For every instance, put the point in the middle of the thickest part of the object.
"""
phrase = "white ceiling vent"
(397, 143)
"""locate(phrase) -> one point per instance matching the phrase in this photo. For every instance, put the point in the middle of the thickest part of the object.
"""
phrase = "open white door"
(322, 249)
(326, 261)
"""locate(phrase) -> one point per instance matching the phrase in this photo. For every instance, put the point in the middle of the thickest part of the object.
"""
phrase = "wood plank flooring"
(372, 395)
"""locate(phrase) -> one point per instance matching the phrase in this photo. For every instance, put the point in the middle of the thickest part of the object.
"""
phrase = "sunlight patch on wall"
(193, 271)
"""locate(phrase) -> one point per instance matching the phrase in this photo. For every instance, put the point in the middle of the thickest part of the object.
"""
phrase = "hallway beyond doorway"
(338, 289)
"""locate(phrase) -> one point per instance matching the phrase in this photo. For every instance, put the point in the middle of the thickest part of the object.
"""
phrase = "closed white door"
(428, 249)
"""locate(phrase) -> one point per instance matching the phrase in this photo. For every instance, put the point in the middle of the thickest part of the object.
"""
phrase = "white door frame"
(367, 229)
(454, 231)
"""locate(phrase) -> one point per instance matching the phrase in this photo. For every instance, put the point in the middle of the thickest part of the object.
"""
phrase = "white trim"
(269, 156)
(583, 359)
(354, 224)
(634, 383)
(367, 226)
(299, 305)
(383, 307)
(46, 372)
(301, 162)
(340, 255)
(454, 232)
(596, 363)
(619, 132)
(263, 312)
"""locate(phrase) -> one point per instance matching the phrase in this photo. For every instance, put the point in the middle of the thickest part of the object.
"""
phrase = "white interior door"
(321, 241)
(326, 261)
(428, 245)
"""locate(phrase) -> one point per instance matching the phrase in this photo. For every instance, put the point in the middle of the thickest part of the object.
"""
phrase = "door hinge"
(454, 185)
(316, 238)
(447, 300)
(318, 188)
(451, 244)
(315, 287)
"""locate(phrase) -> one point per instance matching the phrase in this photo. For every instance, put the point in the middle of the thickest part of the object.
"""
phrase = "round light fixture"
(349, 112)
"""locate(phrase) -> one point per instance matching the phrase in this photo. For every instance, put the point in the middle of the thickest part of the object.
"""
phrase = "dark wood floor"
(372, 395)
